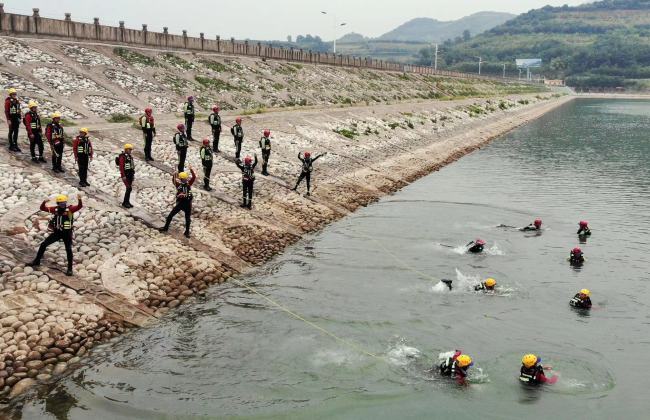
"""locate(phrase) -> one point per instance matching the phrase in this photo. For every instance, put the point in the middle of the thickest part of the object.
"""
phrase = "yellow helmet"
(183, 175)
(83, 130)
(61, 198)
(585, 292)
(464, 360)
(11, 91)
(55, 115)
(32, 104)
(490, 282)
(529, 360)
(128, 146)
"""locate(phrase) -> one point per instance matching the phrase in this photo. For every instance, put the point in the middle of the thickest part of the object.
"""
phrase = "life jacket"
(35, 124)
(129, 163)
(237, 132)
(61, 221)
(206, 154)
(146, 123)
(83, 147)
(189, 109)
(180, 140)
(57, 133)
(214, 120)
(184, 191)
(307, 165)
(14, 107)
(529, 375)
(577, 302)
(248, 173)
(450, 368)
(265, 143)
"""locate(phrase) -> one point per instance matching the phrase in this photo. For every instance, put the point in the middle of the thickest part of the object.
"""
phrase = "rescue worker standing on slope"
(456, 367)
(83, 155)
(56, 138)
(148, 132)
(238, 136)
(127, 173)
(188, 112)
(248, 179)
(265, 145)
(13, 114)
(183, 184)
(307, 168)
(206, 161)
(180, 140)
(35, 132)
(61, 226)
(215, 123)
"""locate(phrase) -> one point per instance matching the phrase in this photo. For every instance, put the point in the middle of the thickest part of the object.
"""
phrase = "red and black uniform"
(307, 169)
(450, 368)
(248, 181)
(581, 302)
(83, 154)
(56, 137)
(61, 226)
(533, 375)
(127, 173)
(183, 202)
(35, 132)
(148, 132)
(13, 115)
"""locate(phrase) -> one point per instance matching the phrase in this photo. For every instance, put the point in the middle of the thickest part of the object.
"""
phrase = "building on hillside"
(551, 82)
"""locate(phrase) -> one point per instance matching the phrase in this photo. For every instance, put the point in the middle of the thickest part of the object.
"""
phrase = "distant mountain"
(431, 30)
(352, 37)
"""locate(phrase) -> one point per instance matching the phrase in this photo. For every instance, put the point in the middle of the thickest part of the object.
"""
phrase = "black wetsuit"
(450, 368)
(180, 140)
(215, 123)
(248, 180)
(238, 136)
(584, 232)
(188, 111)
(581, 303)
(307, 169)
(530, 228)
(576, 259)
(265, 145)
(206, 162)
(476, 248)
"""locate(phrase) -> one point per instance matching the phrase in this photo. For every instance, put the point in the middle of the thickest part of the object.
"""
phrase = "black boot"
(69, 271)
(163, 229)
(187, 234)
(34, 263)
(42, 159)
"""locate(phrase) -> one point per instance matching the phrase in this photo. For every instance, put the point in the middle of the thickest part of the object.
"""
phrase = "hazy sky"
(270, 19)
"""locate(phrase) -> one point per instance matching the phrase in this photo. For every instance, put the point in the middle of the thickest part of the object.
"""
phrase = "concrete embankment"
(128, 274)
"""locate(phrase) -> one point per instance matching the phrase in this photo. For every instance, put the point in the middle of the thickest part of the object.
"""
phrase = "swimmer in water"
(583, 229)
(476, 247)
(486, 286)
(576, 257)
(448, 283)
(581, 300)
(535, 226)
(456, 367)
(532, 371)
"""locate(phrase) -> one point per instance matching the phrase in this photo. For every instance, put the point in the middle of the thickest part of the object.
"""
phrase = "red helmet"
(538, 223)
(584, 224)
(148, 110)
(479, 242)
(248, 160)
(238, 120)
(190, 98)
(206, 142)
(180, 127)
(267, 132)
(216, 109)
(576, 251)
(307, 154)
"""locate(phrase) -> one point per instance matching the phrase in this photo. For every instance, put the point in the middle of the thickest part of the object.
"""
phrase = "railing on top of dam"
(35, 25)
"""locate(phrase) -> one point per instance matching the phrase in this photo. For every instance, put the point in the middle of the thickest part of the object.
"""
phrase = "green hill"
(601, 44)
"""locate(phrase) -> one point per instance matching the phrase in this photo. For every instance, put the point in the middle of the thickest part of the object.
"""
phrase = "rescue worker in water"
(535, 226)
(532, 371)
(183, 184)
(456, 367)
(576, 257)
(486, 286)
(476, 247)
(581, 300)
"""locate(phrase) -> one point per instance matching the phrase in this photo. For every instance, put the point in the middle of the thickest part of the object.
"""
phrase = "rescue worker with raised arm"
(127, 173)
(183, 184)
(307, 168)
(456, 367)
(61, 228)
(265, 145)
(83, 155)
(13, 114)
(147, 123)
(206, 161)
(248, 179)
(180, 140)
(188, 112)
(215, 124)
(581, 300)
(238, 136)
(32, 123)
(56, 139)
(583, 229)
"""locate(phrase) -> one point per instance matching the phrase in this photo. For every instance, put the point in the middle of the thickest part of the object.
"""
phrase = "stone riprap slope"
(89, 80)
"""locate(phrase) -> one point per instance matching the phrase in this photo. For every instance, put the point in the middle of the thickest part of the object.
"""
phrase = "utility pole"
(336, 27)
(504, 70)
(435, 65)
(480, 61)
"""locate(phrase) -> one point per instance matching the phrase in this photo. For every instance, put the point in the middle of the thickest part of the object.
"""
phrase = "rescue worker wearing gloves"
(56, 138)
(147, 124)
(456, 367)
(532, 371)
(535, 226)
(83, 155)
(576, 257)
(238, 136)
(13, 114)
(307, 168)
(127, 173)
(265, 145)
(180, 140)
(61, 228)
(476, 247)
(248, 179)
(188, 112)
(583, 229)
(183, 184)
(32, 123)
(206, 161)
(486, 286)
(581, 300)
(215, 123)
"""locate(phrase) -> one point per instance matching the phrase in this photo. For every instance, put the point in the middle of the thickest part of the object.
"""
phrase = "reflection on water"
(373, 279)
